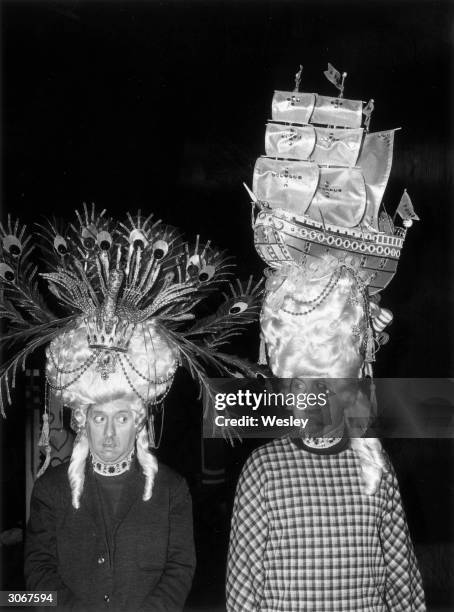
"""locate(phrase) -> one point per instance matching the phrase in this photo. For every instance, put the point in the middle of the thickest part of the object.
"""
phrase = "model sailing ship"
(319, 188)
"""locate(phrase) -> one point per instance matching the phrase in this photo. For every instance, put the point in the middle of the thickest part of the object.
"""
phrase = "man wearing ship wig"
(318, 522)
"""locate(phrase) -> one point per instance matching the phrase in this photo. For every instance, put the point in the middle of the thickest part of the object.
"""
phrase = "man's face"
(325, 419)
(111, 430)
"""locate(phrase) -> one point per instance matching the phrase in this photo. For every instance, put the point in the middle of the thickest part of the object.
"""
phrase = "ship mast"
(298, 76)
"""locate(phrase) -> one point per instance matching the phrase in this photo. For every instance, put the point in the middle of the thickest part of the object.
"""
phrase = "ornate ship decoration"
(319, 188)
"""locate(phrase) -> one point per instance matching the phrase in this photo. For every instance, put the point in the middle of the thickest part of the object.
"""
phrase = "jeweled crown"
(106, 330)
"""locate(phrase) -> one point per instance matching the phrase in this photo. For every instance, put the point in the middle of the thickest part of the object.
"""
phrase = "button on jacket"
(146, 565)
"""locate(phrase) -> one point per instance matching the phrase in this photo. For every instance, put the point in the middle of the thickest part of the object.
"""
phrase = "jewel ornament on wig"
(126, 293)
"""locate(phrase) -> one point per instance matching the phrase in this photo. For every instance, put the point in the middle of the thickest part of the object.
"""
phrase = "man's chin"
(109, 456)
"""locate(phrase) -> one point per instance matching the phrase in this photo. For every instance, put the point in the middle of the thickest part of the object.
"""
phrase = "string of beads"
(323, 295)
(152, 380)
(74, 370)
(139, 395)
(84, 368)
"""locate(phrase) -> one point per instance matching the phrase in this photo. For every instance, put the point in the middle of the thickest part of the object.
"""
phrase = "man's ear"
(79, 417)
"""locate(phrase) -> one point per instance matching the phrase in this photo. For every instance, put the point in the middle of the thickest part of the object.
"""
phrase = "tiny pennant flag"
(368, 109)
(333, 76)
(405, 208)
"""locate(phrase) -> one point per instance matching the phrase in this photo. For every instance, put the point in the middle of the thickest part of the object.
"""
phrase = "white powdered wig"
(145, 370)
(372, 459)
(314, 323)
(314, 326)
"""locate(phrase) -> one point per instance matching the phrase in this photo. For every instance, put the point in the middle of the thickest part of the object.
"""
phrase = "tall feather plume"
(159, 277)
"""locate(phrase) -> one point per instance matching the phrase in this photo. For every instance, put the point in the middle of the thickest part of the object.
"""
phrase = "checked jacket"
(305, 537)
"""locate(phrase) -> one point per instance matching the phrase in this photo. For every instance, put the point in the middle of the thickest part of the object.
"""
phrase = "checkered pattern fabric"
(305, 537)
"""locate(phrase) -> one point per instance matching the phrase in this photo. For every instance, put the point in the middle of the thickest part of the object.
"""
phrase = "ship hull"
(281, 238)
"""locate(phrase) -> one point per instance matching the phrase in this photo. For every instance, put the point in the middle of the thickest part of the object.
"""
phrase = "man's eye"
(122, 419)
(98, 419)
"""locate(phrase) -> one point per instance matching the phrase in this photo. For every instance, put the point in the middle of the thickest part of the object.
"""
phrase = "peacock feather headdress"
(117, 277)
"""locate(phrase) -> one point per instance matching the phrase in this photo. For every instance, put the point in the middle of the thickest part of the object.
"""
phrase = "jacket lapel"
(91, 501)
(131, 494)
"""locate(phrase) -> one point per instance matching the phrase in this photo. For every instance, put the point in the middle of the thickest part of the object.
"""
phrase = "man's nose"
(109, 430)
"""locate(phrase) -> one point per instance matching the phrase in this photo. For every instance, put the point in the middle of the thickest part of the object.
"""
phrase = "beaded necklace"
(321, 442)
(112, 469)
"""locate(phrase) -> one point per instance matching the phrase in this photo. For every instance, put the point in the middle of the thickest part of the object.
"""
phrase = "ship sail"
(286, 184)
(337, 147)
(375, 161)
(332, 195)
(292, 107)
(290, 141)
(323, 145)
(337, 111)
(340, 198)
(298, 107)
(324, 166)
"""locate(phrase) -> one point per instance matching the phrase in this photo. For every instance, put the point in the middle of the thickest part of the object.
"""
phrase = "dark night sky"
(162, 106)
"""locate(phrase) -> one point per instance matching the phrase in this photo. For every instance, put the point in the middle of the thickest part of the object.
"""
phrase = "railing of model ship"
(319, 232)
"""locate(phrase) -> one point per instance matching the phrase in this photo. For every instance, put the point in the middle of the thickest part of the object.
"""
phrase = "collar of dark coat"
(131, 494)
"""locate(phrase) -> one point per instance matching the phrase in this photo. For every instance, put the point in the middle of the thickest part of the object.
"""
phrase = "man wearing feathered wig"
(121, 526)
(114, 529)
(318, 522)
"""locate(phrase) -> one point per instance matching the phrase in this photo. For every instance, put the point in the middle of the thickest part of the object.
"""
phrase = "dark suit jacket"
(149, 563)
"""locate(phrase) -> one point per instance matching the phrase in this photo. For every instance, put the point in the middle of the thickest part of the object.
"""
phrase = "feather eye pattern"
(205, 265)
(143, 269)
(241, 306)
(89, 225)
(55, 243)
(15, 248)
(22, 305)
(151, 252)
(242, 302)
(199, 345)
(195, 272)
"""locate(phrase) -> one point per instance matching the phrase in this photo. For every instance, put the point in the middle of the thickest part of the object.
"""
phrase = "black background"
(162, 106)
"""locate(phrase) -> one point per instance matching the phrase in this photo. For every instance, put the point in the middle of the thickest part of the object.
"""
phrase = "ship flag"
(406, 210)
(251, 193)
(333, 76)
